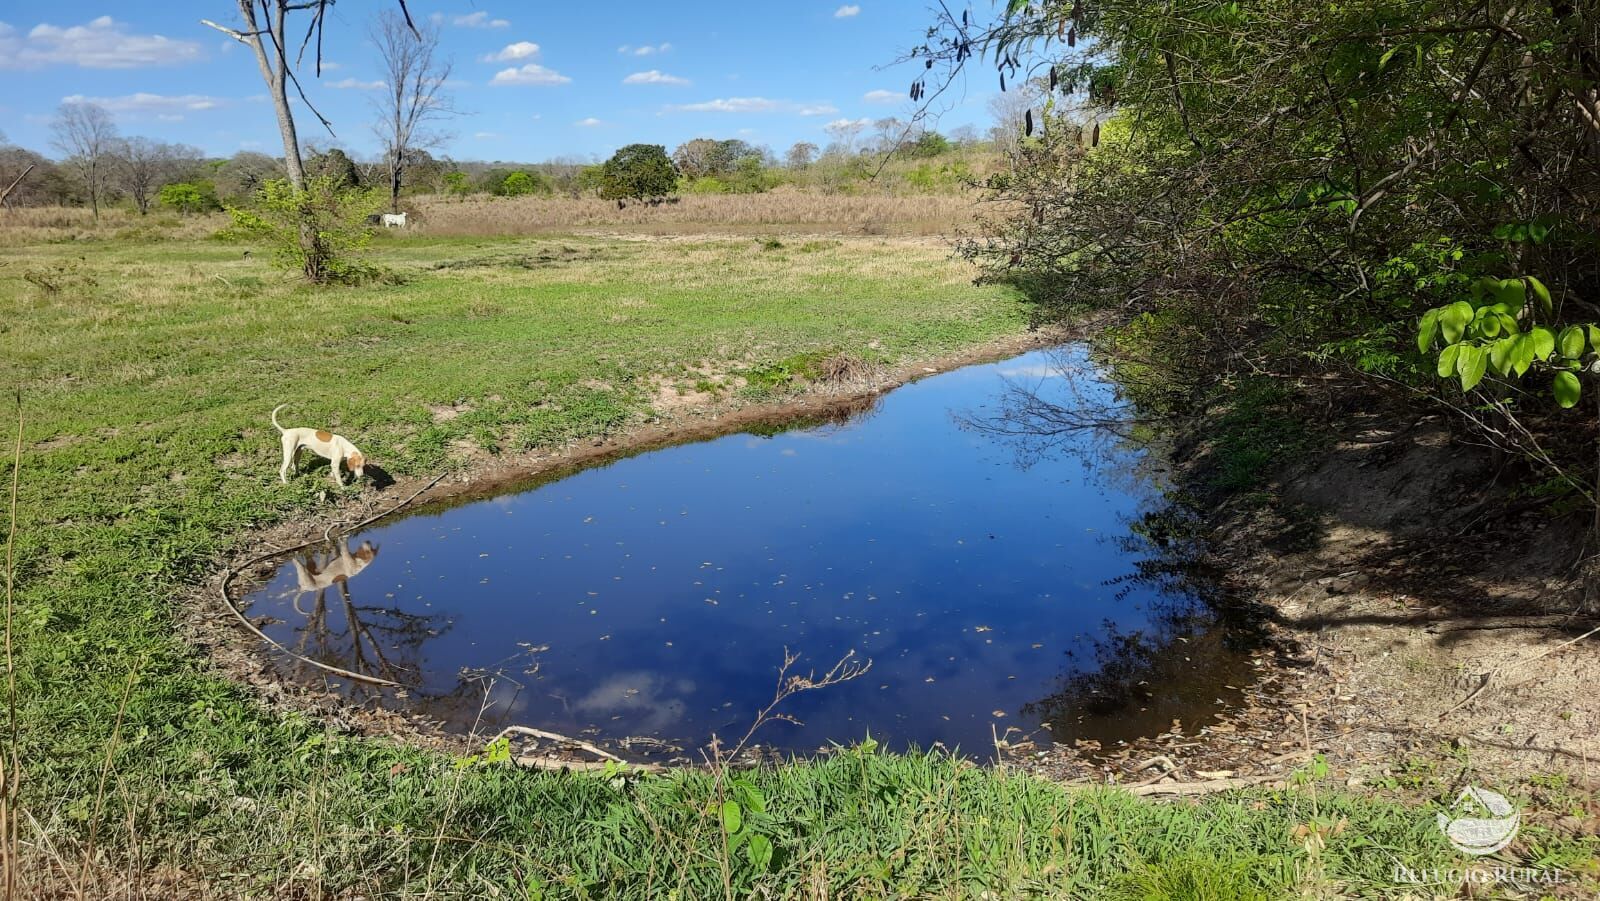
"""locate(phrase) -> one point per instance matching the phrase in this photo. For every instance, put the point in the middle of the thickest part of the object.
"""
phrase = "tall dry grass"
(783, 209)
(59, 224)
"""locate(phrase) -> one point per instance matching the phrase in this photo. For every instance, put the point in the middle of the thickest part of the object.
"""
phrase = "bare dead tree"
(144, 165)
(85, 133)
(414, 78)
(264, 31)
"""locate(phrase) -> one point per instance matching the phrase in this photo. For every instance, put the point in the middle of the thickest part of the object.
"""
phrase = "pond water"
(990, 569)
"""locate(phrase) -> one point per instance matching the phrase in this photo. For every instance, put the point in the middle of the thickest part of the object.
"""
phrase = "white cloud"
(532, 73)
(838, 124)
(102, 44)
(644, 49)
(845, 12)
(756, 105)
(328, 65)
(881, 96)
(486, 135)
(479, 19)
(590, 122)
(355, 84)
(151, 103)
(519, 50)
(654, 77)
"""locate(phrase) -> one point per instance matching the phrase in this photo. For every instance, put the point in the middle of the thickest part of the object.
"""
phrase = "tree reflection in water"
(1194, 654)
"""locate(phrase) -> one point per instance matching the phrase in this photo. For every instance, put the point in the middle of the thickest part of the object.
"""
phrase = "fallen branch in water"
(556, 736)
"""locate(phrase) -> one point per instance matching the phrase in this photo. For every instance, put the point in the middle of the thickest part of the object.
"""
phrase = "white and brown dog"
(337, 448)
(315, 575)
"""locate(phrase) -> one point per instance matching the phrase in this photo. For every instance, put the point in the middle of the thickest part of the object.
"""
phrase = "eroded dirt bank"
(1426, 625)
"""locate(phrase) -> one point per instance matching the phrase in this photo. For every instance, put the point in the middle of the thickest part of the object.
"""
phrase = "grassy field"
(146, 370)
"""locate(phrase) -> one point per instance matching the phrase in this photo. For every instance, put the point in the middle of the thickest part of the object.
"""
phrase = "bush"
(191, 196)
(319, 231)
(518, 183)
(638, 171)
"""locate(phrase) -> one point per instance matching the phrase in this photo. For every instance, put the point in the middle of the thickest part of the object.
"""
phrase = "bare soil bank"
(1427, 625)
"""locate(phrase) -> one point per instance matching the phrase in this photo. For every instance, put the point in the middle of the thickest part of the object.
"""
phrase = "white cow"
(394, 220)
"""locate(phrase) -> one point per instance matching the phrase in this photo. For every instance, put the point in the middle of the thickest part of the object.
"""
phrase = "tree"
(268, 37)
(335, 164)
(518, 183)
(412, 97)
(1009, 111)
(243, 174)
(639, 172)
(801, 155)
(88, 137)
(846, 134)
(144, 165)
(190, 196)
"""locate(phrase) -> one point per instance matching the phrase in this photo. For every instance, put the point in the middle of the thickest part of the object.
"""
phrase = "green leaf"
(1474, 360)
(1512, 291)
(1544, 343)
(732, 817)
(1447, 360)
(760, 852)
(1571, 342)
(1566, 388)
(1427, 330)
(1453, 320)
(1522, 354)
(1501, 354)
(1540, 294)
(1594, 336)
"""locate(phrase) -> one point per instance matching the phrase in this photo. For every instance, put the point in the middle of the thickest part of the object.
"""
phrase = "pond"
(991, 570)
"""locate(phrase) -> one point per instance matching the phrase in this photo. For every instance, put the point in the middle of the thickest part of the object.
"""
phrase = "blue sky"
(536, 81)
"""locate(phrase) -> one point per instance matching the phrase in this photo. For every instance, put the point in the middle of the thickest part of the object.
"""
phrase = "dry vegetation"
(23, 226)
(787, 209)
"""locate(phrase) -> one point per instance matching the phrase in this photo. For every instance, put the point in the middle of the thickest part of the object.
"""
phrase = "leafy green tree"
(519, 183)
(456, 184)
(190, 196)
(638, 172)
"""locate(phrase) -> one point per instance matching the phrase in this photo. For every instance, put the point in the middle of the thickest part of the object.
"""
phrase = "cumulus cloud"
(102, 44)
(644, 49)
(756, 105)
(846, 124)
(479, 19)
(588, 123)
(532, 73)
(168, 104)
(881, 96)
(486, 135)
(356, 84)
(654, 77)
(516, 51)
(845, 12)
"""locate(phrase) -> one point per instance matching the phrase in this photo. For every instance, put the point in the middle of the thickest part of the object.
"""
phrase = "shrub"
(519, 183)
(319, 231)
(190, 196)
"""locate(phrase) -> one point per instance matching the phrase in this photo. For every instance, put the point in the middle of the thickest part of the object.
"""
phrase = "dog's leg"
(333, 468)
(291, 450)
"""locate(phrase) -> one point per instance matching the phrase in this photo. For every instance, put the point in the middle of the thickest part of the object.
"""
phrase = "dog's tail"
(275, 416)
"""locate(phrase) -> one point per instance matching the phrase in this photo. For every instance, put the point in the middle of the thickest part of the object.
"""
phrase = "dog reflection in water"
(316, 573)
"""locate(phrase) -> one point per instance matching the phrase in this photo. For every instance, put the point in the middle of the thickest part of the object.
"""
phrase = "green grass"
(147, 371)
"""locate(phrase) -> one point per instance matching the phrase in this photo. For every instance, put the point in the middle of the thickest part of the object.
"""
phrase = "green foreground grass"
(147, 371)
